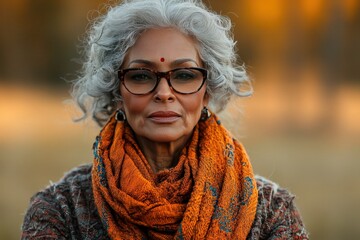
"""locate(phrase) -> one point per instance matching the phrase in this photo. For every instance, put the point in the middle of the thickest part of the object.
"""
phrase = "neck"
(161, 155)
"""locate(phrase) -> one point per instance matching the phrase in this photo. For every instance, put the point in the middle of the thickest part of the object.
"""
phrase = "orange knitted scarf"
(210, 194)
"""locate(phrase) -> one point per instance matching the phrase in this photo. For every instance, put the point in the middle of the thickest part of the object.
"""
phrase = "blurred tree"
(39, 38)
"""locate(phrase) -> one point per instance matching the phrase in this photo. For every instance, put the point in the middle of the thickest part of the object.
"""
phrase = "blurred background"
(301, 127)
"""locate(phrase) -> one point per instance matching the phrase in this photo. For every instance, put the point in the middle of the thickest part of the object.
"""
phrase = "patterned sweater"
(66, 210)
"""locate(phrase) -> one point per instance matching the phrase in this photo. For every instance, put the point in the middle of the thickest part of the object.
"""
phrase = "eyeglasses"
(141, 81)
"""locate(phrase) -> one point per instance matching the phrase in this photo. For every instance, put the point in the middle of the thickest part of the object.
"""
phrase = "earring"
(120, 115)
(205, 114)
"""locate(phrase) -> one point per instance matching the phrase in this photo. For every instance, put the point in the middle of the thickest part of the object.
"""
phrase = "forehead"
(163, 43)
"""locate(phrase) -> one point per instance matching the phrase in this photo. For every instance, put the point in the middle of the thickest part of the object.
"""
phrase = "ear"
(119, 104)
(206, 99)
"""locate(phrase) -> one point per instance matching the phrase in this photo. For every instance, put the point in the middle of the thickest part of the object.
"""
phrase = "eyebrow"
(173, 64)
(183, 60)
(142, 61)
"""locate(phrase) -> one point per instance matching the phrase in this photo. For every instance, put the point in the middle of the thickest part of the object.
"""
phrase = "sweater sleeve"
(276, 216)
(44, 218)
(65, 210)
(286, 221)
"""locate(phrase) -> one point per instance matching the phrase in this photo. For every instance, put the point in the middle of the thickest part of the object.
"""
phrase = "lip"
(164, 116)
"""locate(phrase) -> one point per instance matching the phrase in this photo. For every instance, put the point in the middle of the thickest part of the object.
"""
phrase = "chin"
(165, 137)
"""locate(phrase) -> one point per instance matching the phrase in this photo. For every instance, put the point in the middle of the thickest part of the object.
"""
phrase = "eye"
(139, 76)
(185, 75)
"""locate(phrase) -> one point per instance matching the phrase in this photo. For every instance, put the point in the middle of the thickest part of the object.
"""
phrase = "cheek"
(194, 105)
(133, 105)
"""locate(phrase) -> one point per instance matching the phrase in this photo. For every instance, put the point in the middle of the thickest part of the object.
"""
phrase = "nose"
(163, 91)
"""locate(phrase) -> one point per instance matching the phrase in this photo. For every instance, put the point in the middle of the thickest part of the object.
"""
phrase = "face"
(163, 115)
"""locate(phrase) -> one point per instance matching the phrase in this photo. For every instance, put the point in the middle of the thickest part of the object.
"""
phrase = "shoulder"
(276, 216)
(64, 209)
(79, 177)
(269, 192)
(76, 180)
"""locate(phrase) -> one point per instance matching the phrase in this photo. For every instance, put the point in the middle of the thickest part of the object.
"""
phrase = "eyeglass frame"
(166, 75)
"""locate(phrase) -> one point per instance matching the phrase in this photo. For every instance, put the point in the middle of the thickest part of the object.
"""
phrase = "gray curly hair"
(97, 92)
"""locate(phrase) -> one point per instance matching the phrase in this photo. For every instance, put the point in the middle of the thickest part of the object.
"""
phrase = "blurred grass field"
(39, 142)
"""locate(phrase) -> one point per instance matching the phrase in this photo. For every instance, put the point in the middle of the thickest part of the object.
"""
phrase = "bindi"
(162, 59)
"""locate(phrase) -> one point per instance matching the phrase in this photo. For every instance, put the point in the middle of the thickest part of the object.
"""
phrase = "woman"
(165, 167)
